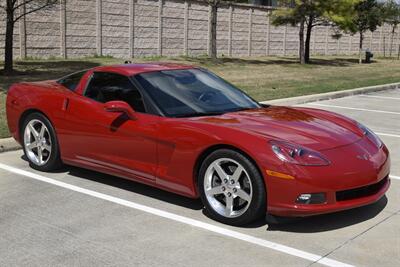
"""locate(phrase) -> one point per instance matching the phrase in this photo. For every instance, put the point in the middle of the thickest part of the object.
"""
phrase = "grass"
(264, 78)
(3, 122)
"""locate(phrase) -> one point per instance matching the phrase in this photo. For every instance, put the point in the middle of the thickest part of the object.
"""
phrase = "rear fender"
(22, 99)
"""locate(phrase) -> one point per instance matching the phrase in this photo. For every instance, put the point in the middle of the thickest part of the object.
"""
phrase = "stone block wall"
(137, 28)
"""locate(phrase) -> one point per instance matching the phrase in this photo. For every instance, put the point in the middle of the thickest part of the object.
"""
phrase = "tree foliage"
(313, 13)
(391, 16)
(391, 12)
(368, 15)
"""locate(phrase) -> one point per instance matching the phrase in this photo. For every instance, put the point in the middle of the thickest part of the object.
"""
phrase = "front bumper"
(302, 210)
(364, 180)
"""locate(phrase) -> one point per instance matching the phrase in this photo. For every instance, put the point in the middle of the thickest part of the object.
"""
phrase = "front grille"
(361, 191)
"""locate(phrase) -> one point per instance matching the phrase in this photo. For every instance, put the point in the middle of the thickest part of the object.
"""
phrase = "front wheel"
(40, 143)
(231, 188)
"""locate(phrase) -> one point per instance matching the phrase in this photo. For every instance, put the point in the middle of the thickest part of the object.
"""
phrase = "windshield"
(193, 92)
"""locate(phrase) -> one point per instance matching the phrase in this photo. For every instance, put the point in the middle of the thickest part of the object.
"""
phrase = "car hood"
(312, 128)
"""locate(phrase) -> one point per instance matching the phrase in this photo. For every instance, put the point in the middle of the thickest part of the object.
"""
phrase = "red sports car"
(185, 130)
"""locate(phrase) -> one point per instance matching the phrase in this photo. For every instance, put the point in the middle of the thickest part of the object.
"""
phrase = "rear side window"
(72, 81)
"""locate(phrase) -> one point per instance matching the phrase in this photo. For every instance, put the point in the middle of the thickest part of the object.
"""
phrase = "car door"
(109, 141)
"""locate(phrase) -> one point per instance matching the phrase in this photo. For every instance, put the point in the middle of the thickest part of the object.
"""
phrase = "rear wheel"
(40, 143)
(231, 188)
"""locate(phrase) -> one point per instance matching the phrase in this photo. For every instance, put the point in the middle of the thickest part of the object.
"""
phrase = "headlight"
(371, 135)
(297, 155)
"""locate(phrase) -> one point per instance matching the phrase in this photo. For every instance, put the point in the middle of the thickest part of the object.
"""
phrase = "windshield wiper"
(239, 109)
(215, 113)
(198, 114)
(247, 108)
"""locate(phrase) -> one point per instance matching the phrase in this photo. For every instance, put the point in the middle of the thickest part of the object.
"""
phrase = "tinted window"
(191, 92)
(72, 81)
(104, 87)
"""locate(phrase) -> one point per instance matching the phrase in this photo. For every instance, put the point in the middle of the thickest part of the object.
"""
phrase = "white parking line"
(361, 109)
(205, 226)
(394, 177)
(382, 97)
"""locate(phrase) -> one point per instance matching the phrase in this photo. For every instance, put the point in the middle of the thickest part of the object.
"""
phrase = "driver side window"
(104, 87)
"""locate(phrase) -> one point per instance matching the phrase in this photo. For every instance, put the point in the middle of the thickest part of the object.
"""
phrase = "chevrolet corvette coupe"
(183, 129)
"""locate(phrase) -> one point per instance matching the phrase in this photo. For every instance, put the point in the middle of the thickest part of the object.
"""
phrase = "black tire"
(257, 206)
(54, 161)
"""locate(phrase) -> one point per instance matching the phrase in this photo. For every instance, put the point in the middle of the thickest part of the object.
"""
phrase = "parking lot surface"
(83, 218)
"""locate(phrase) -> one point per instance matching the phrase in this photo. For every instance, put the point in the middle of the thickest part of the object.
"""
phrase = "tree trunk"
(391, 40)
(398, 53)
(360, 48)
(301, 43)
(308, 41)
(8, 51)
(384, 46)
(212, 53)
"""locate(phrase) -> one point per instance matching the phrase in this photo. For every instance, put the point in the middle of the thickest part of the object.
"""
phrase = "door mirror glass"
(120, 107)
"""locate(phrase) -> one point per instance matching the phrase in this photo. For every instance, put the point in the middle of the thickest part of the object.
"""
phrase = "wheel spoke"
(47, 147)
(243, 195)
(238, 172)
(33, 131)
(42, 131)
(32, 145)
(40, 155)
(214, 191)
(229, 206)
(221, 173)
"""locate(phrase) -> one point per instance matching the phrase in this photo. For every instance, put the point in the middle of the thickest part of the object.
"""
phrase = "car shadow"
(129, 185)
(135, 187)
(312, 224)
(332, 221)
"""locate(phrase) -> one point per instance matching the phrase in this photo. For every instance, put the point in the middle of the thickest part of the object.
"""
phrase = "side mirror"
(121, 107)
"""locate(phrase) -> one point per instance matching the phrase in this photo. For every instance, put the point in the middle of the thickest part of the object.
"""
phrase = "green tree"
(391, 16)
(309, 14)
(368, 16)
(15, 10)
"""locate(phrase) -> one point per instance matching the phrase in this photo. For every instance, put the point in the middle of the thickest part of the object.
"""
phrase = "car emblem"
(363, 157)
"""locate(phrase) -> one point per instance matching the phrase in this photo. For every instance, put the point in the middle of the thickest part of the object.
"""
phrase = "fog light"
(313, 198)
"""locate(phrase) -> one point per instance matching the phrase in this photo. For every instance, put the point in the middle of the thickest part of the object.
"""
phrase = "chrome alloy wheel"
(37, 142)
(228, 187)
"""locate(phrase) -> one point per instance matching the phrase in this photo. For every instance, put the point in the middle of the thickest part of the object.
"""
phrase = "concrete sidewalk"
(290, 101)
(8, 144)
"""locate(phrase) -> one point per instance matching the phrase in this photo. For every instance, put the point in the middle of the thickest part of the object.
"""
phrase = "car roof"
(137, 68)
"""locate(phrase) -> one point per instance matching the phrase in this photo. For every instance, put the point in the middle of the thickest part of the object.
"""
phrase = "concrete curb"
(331, 95)
(9, 144)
